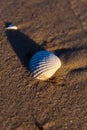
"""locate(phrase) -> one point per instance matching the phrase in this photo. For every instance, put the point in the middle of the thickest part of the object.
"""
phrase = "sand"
(60, 103)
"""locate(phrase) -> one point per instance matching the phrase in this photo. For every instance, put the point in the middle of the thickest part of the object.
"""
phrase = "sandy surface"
(61, 27)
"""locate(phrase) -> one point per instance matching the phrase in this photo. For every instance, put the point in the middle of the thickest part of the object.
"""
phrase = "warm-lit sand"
(60, 103)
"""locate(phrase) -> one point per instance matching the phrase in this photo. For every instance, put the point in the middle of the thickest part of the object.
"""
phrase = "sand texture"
(60, 103)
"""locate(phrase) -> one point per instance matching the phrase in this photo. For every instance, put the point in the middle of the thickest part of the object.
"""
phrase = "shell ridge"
(44, 64)
(40, 72)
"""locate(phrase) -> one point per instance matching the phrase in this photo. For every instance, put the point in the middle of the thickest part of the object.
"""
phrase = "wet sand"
(61, 102)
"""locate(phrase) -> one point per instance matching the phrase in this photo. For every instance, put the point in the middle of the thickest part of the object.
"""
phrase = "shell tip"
(11, 27)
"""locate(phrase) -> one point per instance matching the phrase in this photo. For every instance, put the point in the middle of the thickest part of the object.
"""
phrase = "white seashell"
(44, 64)
(12, 27)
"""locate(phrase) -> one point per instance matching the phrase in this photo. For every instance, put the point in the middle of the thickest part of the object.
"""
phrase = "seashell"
(44, 64)
(12, 27)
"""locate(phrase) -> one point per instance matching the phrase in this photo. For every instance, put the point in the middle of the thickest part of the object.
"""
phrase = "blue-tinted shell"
(44, 64)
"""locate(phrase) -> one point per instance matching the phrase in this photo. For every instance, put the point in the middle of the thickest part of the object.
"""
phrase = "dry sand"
(60, 103)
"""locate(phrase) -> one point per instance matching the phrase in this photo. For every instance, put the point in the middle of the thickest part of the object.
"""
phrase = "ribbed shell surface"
(44, 64)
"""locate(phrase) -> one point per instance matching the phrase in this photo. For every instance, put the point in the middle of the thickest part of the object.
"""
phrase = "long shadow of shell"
(23, 46)
(42, 64)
